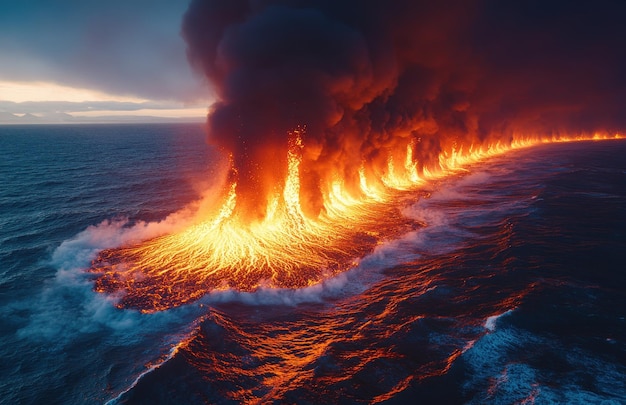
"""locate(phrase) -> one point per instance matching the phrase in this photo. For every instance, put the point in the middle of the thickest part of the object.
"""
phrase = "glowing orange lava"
(286, 248)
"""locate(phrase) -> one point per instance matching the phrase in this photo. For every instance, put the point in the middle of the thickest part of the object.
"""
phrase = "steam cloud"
(368, 76)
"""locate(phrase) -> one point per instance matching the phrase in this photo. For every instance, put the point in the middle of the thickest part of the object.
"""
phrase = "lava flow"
(333, 113)
(286, 249)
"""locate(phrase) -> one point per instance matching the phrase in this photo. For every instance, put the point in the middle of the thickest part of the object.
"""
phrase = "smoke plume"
(367, 77)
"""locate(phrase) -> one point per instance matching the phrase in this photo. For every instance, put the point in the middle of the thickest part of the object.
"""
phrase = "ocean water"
(513, 292)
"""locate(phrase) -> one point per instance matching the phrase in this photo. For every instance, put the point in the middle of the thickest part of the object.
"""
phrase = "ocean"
(513, 291)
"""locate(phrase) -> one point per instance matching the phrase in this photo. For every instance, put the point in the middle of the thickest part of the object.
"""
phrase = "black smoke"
(367, 77)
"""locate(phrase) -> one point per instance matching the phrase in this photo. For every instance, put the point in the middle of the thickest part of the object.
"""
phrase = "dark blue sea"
(514, 291)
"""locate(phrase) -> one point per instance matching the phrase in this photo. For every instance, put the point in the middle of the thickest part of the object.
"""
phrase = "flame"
(287, 249)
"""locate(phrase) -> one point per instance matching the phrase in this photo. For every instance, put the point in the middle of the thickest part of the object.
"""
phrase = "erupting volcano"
(330, 114)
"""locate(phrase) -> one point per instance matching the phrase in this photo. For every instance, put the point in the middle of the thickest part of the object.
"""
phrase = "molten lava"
(287, 248)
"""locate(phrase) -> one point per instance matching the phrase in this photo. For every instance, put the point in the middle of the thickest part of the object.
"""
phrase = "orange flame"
(286, 248)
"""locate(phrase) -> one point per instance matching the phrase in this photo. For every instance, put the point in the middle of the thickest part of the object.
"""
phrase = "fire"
(286, 248)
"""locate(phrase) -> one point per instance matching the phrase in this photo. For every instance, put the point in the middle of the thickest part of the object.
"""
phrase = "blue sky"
(96, 58)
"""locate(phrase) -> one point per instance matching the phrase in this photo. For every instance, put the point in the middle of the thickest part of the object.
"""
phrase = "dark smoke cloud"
(366, 77)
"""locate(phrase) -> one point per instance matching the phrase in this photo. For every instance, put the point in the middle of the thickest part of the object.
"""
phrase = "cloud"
(45, 112)
(42, 107)
(117, 46)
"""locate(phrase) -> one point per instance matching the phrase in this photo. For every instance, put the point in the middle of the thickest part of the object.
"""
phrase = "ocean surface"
(513, 293)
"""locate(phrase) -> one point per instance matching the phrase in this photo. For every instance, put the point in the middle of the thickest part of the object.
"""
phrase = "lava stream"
(286, 248)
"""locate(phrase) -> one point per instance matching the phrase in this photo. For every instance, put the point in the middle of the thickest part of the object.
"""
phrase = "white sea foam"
(67, 312)
(491, 322)
(490, 368)
(71, 289)
(498, 373)
(81, 249)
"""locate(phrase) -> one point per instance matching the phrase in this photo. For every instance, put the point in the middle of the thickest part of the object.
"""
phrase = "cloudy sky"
(91, 60)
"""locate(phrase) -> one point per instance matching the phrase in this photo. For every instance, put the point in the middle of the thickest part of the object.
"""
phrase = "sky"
(92, 61)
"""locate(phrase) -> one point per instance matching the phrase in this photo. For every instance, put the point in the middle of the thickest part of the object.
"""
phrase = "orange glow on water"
(287, 248)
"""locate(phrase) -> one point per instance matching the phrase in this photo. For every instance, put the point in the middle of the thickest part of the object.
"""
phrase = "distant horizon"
(101, 120)
(98, 62)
